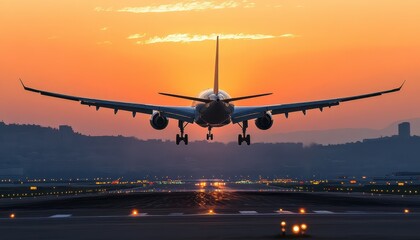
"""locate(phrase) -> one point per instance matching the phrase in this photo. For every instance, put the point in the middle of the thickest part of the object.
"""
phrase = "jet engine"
(158, 121)
(265, 122)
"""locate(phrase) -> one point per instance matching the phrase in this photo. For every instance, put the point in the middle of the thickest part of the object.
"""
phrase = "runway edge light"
(296, 229)
(283, 228)
(303, 227)
(134, 212)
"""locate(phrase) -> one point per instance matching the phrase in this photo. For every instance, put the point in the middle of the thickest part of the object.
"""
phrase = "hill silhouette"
(338, 136)
(35, 151)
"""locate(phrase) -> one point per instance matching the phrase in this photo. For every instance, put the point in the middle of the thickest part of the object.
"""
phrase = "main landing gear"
(182, 136)
(209, 135)
(244, 137)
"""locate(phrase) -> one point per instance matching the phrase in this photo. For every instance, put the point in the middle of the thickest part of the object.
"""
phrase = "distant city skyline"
(34, 151)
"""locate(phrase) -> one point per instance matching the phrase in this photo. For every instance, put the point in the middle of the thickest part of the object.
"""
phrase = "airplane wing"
(246, 113)
(185, 114)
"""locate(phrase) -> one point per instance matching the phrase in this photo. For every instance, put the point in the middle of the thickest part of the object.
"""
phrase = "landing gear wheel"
(244, 137)
(182, 137)
(240, 140)
(248, 139)
(209, 135)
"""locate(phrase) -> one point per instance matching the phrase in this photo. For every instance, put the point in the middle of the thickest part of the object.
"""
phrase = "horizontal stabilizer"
(187, 97)
(245, 97)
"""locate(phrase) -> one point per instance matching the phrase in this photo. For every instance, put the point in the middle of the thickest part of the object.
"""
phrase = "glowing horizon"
(125, 51)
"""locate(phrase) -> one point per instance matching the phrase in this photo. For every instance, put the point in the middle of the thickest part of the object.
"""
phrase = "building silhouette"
(404, 130)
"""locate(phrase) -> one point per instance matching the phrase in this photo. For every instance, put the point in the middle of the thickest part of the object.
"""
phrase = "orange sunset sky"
(131, 50)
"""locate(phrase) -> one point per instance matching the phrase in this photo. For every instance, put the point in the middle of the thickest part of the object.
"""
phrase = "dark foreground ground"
(213, 227)
(184, 215)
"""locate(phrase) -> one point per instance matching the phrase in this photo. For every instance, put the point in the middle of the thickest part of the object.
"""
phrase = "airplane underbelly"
(216, 114)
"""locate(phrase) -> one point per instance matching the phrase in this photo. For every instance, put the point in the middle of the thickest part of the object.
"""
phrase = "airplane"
(212, 108)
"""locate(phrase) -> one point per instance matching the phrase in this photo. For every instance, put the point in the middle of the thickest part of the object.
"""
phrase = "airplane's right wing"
(185, 114)
(246, 113)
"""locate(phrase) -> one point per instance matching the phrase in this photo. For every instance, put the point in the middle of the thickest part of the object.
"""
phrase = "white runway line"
(138, 215)
(248, 212)
(285, 212)
(60, 216)
(241, 213)
(323, 212)
(358, 212)
(176, 214)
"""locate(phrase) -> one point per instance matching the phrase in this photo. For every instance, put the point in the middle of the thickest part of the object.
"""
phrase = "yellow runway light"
(303, 227)
(134, 212)
(296, 229)
(283, 228)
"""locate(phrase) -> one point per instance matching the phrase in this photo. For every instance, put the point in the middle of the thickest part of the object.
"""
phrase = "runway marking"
(61, 216)
(138, 215)
(248, 212)
(323, 212)
(241, 213)
(285, 212)
(356, 212)
(176, 214)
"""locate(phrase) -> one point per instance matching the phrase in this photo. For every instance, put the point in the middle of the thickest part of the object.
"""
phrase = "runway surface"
(237, 214)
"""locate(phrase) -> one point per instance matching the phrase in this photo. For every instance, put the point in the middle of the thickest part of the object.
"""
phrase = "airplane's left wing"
(246, 113)
(185, 114)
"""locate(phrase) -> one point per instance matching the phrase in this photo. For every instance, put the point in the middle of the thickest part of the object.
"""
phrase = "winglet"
(216, 69)
(23, 85)
(28, 88)
(402, 85)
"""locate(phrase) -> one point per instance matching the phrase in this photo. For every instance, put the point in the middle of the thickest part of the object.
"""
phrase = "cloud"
(288, 35)
(182, 7)
(136, 36)
(186, 37)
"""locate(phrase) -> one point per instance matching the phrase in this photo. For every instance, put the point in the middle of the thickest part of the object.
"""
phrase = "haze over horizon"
(28, 150)
(129, 51)
(307, 137)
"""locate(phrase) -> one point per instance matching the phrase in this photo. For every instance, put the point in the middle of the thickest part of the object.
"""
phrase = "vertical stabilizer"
(216, 69)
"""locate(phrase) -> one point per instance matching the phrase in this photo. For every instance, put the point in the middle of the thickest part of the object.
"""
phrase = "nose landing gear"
(182, 137)
(244, 137)
(209, 135)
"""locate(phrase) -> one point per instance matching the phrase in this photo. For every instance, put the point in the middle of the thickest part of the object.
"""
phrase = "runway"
(242, 214)
(384, 226)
